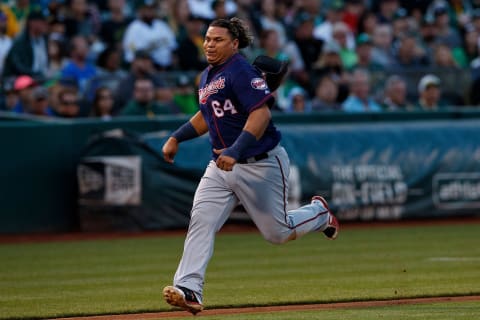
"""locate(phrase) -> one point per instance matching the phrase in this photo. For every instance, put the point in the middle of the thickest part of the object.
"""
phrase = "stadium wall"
(369, 166)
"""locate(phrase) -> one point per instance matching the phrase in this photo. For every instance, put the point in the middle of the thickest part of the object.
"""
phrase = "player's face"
(218, 45)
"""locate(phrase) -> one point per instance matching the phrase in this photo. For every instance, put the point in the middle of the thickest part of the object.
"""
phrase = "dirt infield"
(306, 307)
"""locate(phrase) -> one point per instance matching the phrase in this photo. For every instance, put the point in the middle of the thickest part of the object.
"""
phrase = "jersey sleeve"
(250, 89)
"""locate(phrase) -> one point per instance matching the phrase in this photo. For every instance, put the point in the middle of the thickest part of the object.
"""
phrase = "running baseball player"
(248, 164)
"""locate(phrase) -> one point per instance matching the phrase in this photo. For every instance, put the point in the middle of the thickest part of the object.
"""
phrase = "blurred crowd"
(107, 58)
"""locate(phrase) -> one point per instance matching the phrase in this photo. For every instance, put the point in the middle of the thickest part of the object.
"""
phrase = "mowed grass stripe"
(127, 275)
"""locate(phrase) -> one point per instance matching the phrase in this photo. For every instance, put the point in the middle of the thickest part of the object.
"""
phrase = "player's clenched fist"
(170, 149)
(224, 162)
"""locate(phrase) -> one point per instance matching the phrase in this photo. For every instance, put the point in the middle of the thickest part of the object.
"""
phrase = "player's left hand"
(170, 149)
(224, 162)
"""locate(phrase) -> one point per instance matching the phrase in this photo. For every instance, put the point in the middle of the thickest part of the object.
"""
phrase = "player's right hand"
(170, 149)
(224, 162)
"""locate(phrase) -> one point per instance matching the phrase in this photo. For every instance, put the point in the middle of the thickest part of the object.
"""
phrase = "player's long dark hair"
(237, 29)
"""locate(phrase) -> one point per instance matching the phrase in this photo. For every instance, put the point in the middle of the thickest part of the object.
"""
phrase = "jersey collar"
(223, 65)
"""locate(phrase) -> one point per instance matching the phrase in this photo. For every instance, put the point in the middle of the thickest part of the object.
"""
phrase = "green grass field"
(41, 280)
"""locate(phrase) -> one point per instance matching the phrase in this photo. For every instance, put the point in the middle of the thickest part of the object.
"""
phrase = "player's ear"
(235, 43)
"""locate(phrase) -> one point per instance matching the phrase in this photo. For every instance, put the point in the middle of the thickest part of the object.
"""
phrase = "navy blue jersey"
(227, 94)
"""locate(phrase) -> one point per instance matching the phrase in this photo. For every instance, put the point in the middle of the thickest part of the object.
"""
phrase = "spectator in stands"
(9, 97)
(190, 49)
(109, 64)
(28, 55)
(409, 53)
(114, 25)
(57, 55)
(298, 101)
(445, 32)
(466, 54)
(363, 51)
(40, 103)
(177, 18)
(270, 21)
(443, 57)
(143, 102)
(387, 9)
(395, 94)
(352, 12)
(282, 93)
(55, 8)
(103, 104)
(185, 95)
(108, 72)
(152, 35)
(5, 40)
(340, 33)
(57, 28)
(68, 104)
(309, 48)
(326, 94)
(24, 86)
(219, 8)
(475, 21)
(82, 19)
(244, 11)
(400, 23)
(330, 64)
(141, 67)
(312, 8)
(54, 89)
(459, 11)
(21, 9)
(203, 8)
(78, 68)
(428, 35)
(334, 14)
(165, 97)
(12, 28)
(382, 52)
(429, 93)
(367, 23)
(360, 99)
(270, 45)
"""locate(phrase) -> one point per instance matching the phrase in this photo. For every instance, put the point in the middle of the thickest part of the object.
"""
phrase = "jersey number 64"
(220, 110)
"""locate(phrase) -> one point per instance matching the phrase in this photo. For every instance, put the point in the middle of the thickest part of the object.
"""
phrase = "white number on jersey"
(220, 110)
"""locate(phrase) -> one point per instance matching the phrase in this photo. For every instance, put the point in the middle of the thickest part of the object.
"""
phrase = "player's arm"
(258, 121)
(253, 130)
(195, 127)
(199, 123)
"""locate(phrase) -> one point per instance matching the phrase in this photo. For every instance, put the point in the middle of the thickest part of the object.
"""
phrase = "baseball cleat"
(331, 231)
(183, 298)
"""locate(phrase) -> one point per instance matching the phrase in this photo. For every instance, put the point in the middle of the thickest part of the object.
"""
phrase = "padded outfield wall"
(369, 167)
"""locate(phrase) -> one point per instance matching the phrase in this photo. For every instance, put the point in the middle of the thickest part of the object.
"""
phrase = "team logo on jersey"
(211, 88)
(258, 83)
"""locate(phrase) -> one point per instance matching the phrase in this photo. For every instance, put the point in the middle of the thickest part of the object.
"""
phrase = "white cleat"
(183, 298)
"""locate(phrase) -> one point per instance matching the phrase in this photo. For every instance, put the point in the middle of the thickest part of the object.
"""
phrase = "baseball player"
(248, 164)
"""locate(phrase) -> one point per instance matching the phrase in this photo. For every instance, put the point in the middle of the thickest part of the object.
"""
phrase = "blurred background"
(379, 109)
